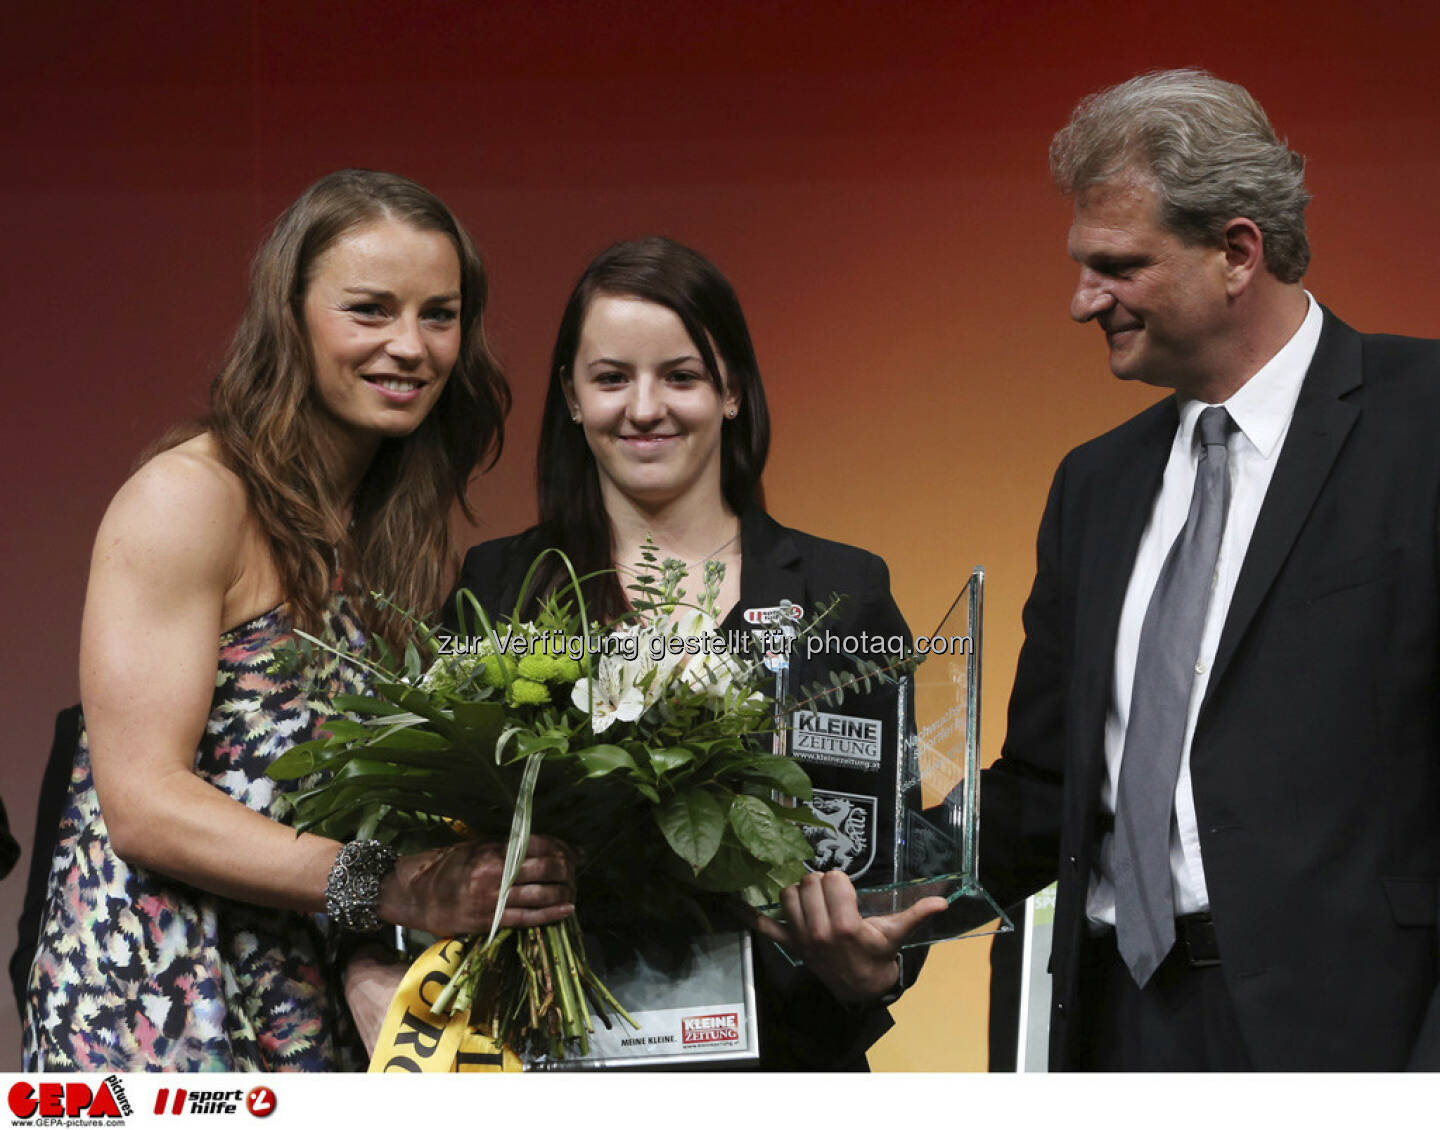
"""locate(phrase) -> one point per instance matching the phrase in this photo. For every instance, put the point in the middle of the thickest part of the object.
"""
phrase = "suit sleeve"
(1020, 794)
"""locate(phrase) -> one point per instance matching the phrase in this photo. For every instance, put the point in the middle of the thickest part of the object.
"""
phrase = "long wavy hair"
(266, 415)
(572, 511)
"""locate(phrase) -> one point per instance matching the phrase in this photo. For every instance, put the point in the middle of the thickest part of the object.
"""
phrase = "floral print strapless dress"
(137, 972)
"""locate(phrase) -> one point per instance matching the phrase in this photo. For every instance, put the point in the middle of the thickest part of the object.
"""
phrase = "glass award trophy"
(896, 772)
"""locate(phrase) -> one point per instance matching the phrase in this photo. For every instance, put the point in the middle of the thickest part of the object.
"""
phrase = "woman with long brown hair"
(656, 430)
(357, 399)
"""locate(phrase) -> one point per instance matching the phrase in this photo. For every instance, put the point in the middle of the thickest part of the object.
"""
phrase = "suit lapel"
(1320, 425)
(770, 569)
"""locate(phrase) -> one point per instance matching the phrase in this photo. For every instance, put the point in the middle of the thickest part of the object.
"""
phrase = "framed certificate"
(695, 1006)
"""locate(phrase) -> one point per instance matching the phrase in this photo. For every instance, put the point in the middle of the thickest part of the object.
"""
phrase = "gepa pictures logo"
(46, 1102)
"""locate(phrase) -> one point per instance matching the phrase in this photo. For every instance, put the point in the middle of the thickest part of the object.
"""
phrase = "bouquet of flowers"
(636, 745)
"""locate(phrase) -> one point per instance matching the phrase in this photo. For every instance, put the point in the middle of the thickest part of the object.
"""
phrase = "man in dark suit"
(1224, 735)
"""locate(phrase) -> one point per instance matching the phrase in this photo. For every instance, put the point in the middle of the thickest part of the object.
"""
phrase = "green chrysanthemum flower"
(545, 668)
(490, 670)
(527, 692)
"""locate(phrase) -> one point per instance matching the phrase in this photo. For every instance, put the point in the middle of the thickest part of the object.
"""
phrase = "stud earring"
(730, 413)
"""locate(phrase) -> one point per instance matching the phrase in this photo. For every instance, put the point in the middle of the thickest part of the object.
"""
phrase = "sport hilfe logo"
(259, 1101)
(711, 1028)
(207, 1102)
(69, 1100)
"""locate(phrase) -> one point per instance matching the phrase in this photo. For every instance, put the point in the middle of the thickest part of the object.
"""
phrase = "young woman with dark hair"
(655, 426)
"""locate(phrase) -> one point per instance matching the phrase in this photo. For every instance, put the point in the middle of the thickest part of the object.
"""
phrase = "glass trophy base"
(971, 913)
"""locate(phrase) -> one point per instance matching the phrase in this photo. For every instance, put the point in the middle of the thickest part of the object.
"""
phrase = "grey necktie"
(1165, 669)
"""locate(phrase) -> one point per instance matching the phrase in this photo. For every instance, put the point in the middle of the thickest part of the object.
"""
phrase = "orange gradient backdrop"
(871, 176)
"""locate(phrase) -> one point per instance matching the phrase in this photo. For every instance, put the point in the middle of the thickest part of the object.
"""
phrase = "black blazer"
(802, 1026)
(1316, 757)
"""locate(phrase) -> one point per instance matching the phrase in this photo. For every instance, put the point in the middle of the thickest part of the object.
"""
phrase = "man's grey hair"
(1209, 151)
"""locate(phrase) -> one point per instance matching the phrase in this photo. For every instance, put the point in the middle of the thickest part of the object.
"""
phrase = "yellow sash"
(415, 1039)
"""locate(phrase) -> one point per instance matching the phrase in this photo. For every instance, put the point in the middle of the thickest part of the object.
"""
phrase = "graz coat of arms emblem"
(846, 842)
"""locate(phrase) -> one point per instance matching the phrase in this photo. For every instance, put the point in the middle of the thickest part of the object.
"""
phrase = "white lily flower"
(617, 698)
(683, 624)
(714, 675)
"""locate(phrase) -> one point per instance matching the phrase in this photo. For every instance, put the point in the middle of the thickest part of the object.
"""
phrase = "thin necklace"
(701, 560)
(723, 545)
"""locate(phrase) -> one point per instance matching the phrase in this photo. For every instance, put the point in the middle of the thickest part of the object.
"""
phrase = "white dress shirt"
(1262, 410)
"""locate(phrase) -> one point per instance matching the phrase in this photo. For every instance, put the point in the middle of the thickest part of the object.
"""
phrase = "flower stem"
(533, 990)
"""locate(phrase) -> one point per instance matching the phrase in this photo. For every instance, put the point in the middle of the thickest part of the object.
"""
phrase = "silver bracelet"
(352, 893)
